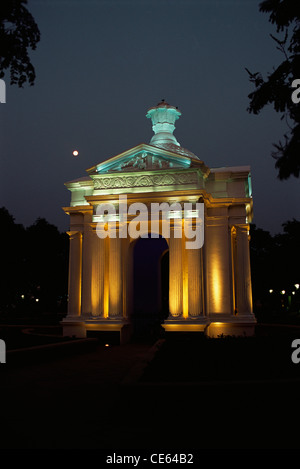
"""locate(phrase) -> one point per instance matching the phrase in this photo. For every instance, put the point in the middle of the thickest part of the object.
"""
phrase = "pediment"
(145, 157)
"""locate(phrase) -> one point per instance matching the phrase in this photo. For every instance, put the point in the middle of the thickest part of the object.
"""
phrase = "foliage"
(18, 33)
(275, 266)
(276, 89)
(34, 264)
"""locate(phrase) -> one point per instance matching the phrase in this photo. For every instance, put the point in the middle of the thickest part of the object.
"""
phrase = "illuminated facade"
(209, 287)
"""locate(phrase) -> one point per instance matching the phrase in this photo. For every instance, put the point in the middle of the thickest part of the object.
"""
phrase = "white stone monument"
(209, 287)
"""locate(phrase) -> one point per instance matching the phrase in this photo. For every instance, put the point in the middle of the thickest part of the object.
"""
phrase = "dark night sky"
(101, 64)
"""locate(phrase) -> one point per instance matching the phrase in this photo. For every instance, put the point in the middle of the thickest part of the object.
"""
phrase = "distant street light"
(75, 153)
(282, 292)
(297, 285)
(270, 291)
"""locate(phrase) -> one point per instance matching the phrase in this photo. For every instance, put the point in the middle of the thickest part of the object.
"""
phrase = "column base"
(215, 325)
(186, 324)
(73, 327)
(80, 327)
(238, 326)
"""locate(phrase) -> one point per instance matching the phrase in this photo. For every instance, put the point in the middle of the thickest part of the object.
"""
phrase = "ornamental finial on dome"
(163, 117)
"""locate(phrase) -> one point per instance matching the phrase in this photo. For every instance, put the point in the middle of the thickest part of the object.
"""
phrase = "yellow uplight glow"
(216, 285)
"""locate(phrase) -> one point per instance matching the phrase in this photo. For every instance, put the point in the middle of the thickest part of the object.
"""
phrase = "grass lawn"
(17, 337)
(196, 358)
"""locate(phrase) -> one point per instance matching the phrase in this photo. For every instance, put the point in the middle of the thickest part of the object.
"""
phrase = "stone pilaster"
(175, 270)
(87, 253)
(115, 278)
(75, 271)
(244, 289)
(127, 269)
(97, 281)
(185, 278)
(217, 264)
(234, 269)
(194, 282)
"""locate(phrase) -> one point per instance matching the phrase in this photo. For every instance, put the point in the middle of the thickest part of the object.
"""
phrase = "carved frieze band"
(147, 180)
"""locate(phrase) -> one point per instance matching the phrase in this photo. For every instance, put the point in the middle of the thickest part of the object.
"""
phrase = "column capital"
(73, 234)
(244, 227)
(233, 230)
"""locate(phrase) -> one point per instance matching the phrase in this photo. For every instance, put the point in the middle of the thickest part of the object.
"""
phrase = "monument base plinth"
(80, 328)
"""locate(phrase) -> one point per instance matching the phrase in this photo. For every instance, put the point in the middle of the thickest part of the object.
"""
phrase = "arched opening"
(150, 286)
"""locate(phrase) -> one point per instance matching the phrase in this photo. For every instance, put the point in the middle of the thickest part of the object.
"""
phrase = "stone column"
(97, 278)
(185, 277)
(87, 253)
(175, 270)
(106, 278)
(194, 282)
(75, 267)
(127, 269)
(115, 277)
(244, 289)
(233, 268)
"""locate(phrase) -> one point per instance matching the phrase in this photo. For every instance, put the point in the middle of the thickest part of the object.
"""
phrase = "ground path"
(85, 401)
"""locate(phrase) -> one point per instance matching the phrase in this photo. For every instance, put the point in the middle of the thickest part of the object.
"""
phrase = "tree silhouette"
(275, 267)
(34, 267)
(277, 88)
(12, 238)
(47, 263)
(18, 33)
